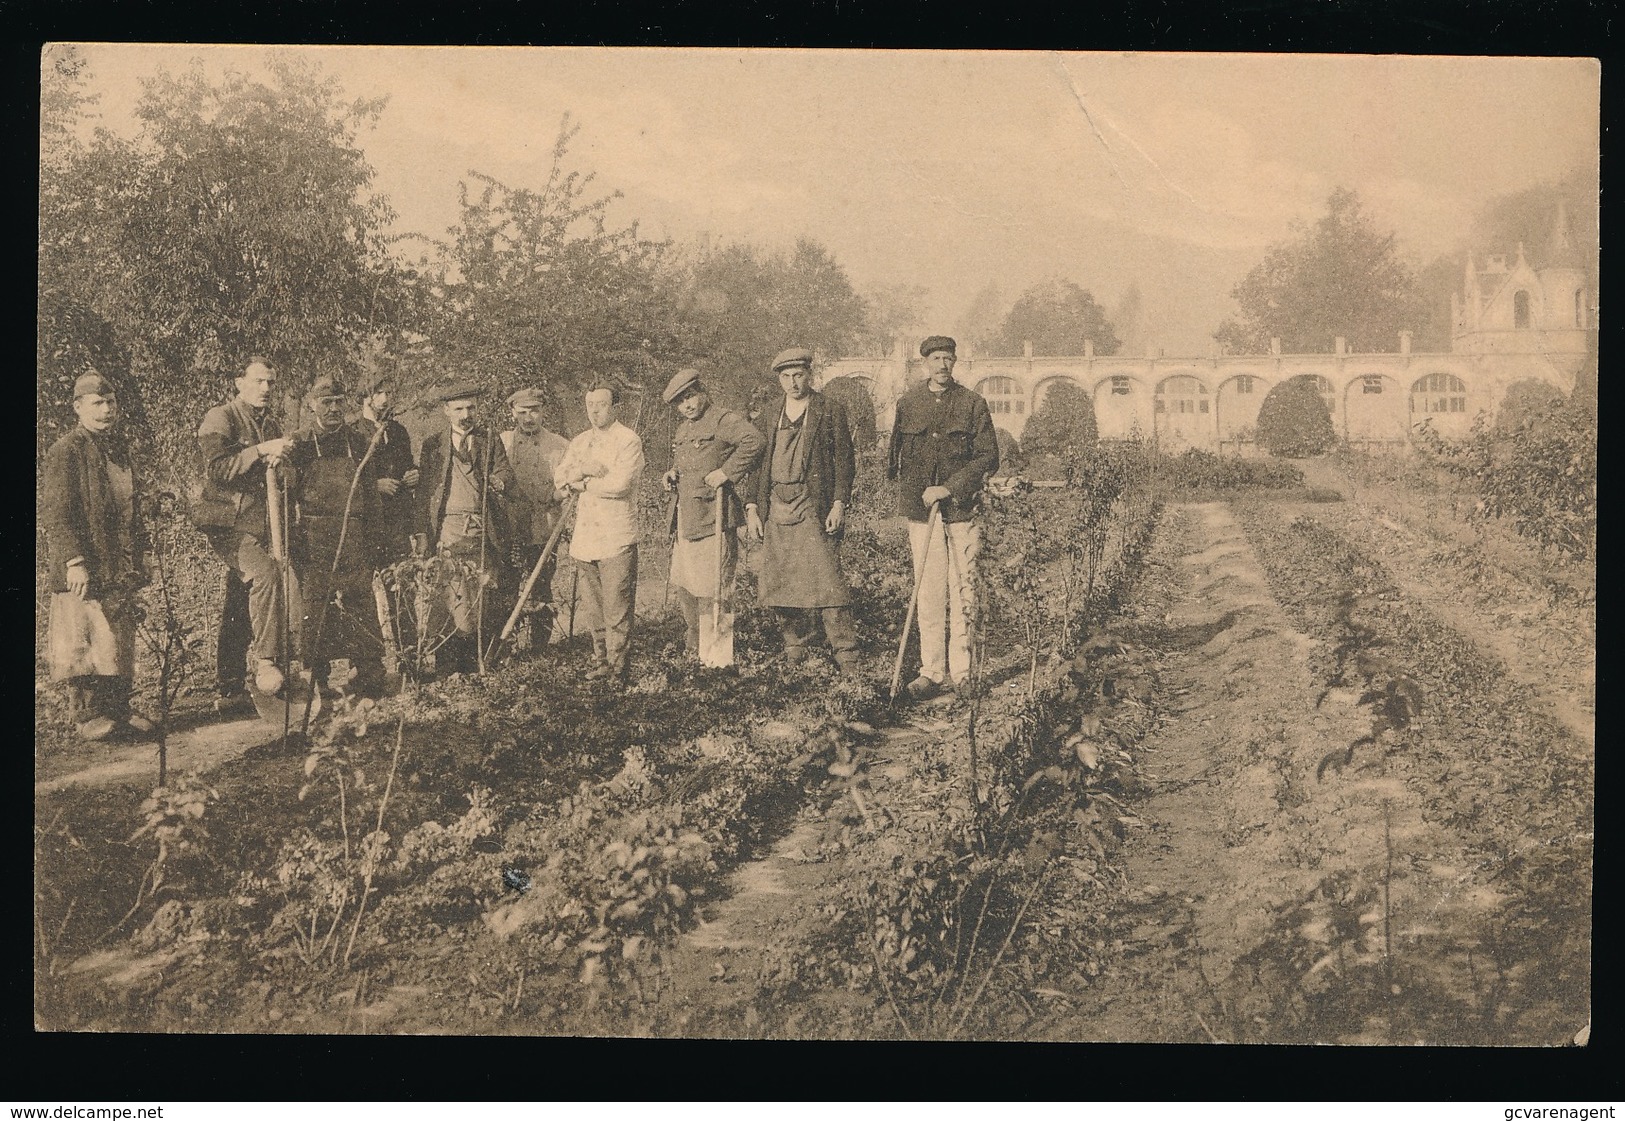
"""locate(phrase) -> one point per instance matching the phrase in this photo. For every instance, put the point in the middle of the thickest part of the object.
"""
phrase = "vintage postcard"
(816, 544)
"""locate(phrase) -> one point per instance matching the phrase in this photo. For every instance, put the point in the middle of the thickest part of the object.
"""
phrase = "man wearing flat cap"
(466, 479)
(943, 448)
(96, 547)
(336, 504)
(534, 506)
(797, 509)
(241, 444)
(714, 452)
(396, 468)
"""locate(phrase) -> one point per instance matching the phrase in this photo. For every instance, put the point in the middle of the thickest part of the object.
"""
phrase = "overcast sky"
(955, 169)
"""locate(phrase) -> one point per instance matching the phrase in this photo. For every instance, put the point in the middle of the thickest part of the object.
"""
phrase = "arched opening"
(1123, 408)
(1236, 402)
(1440, 399)
(1376, 412)
(1439, 393)
(1520, 310)
(1002, 396)
(1183, 410)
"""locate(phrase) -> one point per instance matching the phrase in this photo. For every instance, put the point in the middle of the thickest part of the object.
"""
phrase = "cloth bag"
(81, 642)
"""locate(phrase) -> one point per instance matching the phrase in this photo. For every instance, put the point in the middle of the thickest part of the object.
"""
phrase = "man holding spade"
(714, 452)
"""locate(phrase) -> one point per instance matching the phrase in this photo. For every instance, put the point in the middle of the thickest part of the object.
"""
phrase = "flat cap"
(86, 384)
(326, 386)
(526, 396)
(795, 356)
(461, 391)
(937, 342)
(680, 381)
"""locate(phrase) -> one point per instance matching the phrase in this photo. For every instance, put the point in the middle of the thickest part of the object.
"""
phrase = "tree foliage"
(241, 220)
(1340, 277)
(860, 410)
(888, 312)
(535, 287)
(742, 304)
(1056, 316)
(1293, 421)
(1063, 424)
(1538, 469)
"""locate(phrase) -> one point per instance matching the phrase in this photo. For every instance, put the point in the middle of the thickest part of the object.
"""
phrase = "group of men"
(302, 523)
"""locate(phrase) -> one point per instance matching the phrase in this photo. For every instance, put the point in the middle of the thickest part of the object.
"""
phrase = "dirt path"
(1232, 820)
(200, 749)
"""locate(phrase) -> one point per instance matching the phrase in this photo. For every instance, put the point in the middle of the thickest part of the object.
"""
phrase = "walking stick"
(914, 598)
(535, 573)
(722, 517)
(386, 624)
(575, 580)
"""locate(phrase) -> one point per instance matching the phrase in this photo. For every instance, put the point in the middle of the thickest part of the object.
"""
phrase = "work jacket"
(334, 474)
(82, 517)
(490, 463)
(831, 463)
(719, 438)
(232, 494)
(941, 439)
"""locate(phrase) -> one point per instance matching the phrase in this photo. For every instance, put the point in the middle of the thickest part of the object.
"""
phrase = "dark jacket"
(720, 438)
(82, 519)
(491, 464)
(944, 439)
(397, 515)
(233, 490)
(831, 463)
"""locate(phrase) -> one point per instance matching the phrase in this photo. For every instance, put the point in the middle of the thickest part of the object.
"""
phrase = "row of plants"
(973, 882)
(1469, 919)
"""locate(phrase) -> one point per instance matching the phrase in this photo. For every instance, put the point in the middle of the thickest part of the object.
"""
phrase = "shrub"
(1293, 420)
(1063, 423)
(1541, 472)
(1202, 470)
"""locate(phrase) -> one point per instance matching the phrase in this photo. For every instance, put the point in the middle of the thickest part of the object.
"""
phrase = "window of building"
(1439, 393)
(1371, 383)
(1120, 386)
(1000, 393)
(1244, 384)
(1520, 310)
(1184, 395)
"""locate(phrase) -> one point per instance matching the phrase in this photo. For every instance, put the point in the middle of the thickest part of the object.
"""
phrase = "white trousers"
(947, 594)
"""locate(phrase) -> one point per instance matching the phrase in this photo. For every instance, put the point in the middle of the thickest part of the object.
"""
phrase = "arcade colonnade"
(1375, 400)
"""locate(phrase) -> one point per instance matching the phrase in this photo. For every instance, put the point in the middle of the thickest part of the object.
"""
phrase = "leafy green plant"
(1293, 420)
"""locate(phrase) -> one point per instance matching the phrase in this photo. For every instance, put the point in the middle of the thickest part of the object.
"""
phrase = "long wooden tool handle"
(536, 572)
(722, 518)
(914, 599)
(273, 514)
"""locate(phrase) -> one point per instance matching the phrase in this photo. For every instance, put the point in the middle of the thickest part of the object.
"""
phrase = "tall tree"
(1056, 316)
(743, 304)
(1128, 320)
(979, 322)
(1340, 277)
(536, 287)
(888, 312)
(240, 220)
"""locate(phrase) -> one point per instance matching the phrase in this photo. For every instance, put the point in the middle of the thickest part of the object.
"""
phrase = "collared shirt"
(606, 512)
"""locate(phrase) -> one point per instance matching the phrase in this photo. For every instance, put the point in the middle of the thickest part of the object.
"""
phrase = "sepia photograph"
(816, 544)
